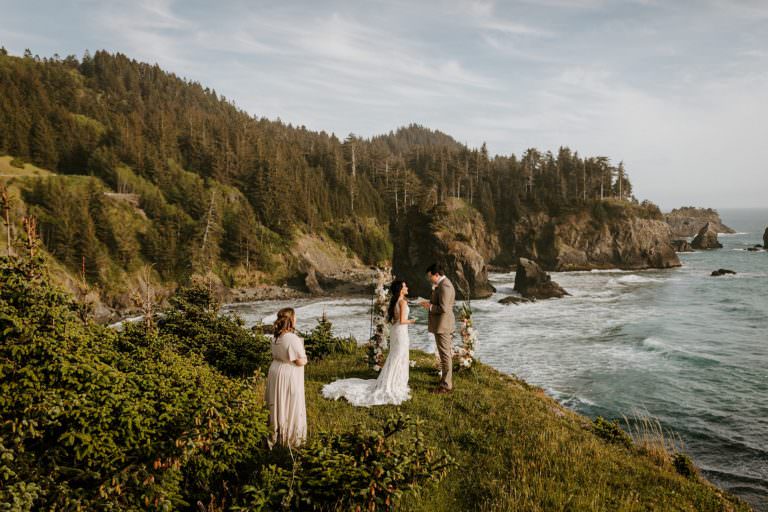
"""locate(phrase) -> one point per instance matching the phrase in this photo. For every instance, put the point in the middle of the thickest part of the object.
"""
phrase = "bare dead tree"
(209, 222)
(32, 241)
(5, 205)
(145, 297)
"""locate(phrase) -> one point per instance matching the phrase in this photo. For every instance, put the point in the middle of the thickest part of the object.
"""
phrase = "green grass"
(517, 449)
(8, 170)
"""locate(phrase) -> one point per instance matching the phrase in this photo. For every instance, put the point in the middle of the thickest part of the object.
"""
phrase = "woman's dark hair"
(286, 321)
(436, 269)
(395, 289)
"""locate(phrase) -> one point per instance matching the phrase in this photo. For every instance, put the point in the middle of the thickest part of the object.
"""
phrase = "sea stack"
(765, 239)
(707, 238)
(454, 235)
(687, 221)
(533, 283)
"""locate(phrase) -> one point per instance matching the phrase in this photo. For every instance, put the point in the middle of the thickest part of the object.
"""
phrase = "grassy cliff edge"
(516, 448)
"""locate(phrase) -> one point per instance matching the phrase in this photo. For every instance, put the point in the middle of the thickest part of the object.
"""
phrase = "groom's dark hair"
(436, 269)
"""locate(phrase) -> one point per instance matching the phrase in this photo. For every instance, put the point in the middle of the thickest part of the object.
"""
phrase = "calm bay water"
(678, 345)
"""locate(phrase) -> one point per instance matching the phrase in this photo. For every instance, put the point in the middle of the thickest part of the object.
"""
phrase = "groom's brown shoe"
(442, 391)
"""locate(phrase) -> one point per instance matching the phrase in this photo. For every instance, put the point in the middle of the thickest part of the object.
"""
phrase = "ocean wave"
(570, 400)
(662, 346)
(633, 279)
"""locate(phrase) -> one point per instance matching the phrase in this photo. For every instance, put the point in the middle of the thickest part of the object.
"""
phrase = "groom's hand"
(425, 304)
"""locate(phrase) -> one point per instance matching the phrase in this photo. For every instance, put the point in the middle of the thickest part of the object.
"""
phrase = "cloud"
(507, 27)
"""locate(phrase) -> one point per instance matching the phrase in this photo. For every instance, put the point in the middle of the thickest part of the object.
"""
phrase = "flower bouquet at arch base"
(465, 354)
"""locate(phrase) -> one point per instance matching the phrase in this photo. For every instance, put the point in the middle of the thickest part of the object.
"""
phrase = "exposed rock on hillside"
(324, 266)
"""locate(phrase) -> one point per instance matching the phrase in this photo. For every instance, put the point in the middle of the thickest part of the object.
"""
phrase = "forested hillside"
(154, 169)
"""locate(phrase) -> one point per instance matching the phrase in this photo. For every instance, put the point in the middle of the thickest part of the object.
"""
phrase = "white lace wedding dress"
(391, 387)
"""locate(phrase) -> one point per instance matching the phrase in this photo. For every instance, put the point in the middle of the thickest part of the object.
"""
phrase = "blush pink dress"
(285, 392)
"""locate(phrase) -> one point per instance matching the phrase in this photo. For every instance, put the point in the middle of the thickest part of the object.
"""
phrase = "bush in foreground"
(193, 323)
(93, 419)
(358, 470)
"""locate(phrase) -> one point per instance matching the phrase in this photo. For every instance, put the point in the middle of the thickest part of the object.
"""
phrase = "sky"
(676, 89)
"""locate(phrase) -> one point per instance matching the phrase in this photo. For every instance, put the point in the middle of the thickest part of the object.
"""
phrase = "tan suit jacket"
(441, 318)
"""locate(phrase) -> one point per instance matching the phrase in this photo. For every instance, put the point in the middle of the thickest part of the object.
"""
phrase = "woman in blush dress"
(285, 384)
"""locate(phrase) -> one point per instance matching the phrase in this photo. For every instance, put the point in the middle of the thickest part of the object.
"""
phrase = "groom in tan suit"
(442, 323)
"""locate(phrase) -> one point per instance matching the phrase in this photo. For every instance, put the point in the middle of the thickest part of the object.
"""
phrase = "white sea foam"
(632, 279)
(655, 343)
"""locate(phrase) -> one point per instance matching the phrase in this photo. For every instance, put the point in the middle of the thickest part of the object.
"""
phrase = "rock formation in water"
(515, 300)
(722, 272)
(533, 283)
(682, 246)
(582, 241)
(706, 238)
(765, 239)
(687, 221)
(453, 235)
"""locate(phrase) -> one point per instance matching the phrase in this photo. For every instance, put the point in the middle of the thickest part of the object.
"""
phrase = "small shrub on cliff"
(684, 465)
(611, 432)
(320, 342)
(194, 324)
(359, 470)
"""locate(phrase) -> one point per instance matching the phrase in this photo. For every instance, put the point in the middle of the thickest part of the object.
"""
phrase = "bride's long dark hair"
(395, 288)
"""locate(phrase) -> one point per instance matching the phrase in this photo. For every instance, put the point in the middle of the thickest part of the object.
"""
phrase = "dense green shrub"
(359, 470)
(193, 324)
(92, 419)
(684, 465)
(611, 432)
(320, 341)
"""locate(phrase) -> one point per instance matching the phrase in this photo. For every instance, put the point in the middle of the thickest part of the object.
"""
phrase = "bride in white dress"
(391, 387)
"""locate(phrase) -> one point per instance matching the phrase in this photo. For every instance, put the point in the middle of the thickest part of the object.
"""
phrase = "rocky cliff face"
(765, 239)
(687, 221)
(582, 242)
(453, 235)
(324, 266)
(682, 246)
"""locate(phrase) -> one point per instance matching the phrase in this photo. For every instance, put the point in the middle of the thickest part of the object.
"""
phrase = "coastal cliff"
(453, 235)
(619, 236)
(559, 460)
(688, 220)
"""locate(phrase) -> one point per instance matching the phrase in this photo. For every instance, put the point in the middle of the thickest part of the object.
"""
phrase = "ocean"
(678, 345)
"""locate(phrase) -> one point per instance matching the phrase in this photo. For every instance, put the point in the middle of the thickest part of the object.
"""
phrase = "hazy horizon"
(677, 92)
